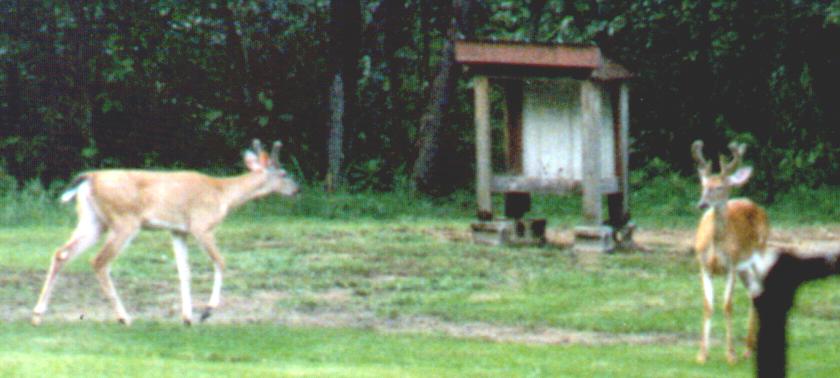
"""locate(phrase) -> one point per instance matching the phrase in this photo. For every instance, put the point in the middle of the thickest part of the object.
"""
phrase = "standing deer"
(184, 203)
(728, 234)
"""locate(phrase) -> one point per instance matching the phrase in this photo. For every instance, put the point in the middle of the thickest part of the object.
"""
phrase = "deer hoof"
(187, 322)
(125, 321)
(701, 357)
(36, 319)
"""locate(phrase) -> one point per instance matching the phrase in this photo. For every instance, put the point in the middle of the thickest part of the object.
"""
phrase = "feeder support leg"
(484, 173)
(590, 111)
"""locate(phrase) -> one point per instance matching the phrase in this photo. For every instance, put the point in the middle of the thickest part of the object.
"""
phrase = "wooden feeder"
(566, 128)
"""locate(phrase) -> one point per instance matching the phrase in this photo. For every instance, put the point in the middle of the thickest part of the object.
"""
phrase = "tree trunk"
(425, 175)
(345, 46)
(394, 37)
(424, 58)
(236, 47)
(536, 9)
(335, 150)
(84, 62)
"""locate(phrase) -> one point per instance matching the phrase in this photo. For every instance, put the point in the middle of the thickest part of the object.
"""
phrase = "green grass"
(393, 258)
(168, 350)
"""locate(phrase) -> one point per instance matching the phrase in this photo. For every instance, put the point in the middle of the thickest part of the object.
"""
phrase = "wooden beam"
(484, 173)
(553, 185)
(590, 102)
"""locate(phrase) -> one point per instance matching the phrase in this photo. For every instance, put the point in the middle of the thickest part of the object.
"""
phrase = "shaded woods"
(365, 96)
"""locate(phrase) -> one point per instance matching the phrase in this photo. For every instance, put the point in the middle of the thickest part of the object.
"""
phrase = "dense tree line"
(365, 93)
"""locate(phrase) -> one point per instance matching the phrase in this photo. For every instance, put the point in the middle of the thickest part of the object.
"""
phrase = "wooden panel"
(505, 183)
(551, 141)
(607, 137)
(484, 171)
(553, 130)
(513, 121)
(591, 117)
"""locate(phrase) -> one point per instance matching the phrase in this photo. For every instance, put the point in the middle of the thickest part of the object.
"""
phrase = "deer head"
(259, 162)
(717, 187)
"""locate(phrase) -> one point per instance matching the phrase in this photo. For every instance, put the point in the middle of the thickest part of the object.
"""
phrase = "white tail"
(728, 234)
(70, 193)
(185, 203)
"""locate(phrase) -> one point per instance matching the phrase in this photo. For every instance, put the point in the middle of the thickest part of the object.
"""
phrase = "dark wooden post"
(591, 114)
(618, 203)
(775, 301)
(484, 173)
(516, 203)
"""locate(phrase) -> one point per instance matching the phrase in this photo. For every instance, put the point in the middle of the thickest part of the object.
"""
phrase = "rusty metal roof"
(538, 59)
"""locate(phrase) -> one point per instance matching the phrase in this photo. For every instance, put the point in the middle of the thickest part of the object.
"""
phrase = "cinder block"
(594, 239)
(495, 232)
(510, 231)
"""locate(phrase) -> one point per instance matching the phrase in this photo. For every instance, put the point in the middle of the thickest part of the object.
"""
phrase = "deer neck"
(720, 210)
(238, 190)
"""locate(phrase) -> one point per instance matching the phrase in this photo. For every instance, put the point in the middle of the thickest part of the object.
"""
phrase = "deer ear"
(740, 176)
(252, 161)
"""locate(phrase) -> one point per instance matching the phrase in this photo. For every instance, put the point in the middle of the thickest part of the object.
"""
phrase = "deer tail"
(73, 188)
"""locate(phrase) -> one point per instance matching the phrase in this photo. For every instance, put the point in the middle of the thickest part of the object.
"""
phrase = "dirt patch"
(452, 234)
(78, 299)
(523, 335)
(431, 325)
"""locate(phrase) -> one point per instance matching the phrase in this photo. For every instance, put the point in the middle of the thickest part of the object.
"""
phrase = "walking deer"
(122, 202)
(729, 233)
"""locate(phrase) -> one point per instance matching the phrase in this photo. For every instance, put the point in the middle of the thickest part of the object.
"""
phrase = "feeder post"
(619, 208)
(484, 173)
(590, 101)
(624, 144)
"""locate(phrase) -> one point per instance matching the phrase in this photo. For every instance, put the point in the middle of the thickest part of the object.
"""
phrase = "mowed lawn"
(401, 296)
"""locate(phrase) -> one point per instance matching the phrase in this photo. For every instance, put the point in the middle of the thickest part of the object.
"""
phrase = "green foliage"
(660, 196)
(168, 83)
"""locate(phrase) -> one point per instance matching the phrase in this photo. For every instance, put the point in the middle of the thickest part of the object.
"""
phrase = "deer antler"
(738, 150)
(261, 155)
(256, 146)
(697, 152)
(275, 152)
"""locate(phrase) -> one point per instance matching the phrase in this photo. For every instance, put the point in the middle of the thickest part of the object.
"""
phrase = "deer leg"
(117, 240)
(708, 309)
(208, 243)
(752, 328)
(727, 311)
(179, 246)
(84, 236)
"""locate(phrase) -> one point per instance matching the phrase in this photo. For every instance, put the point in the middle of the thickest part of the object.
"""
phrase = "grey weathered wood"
(590, 116)
(623, 144)
(484, 171)
(551, 185)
